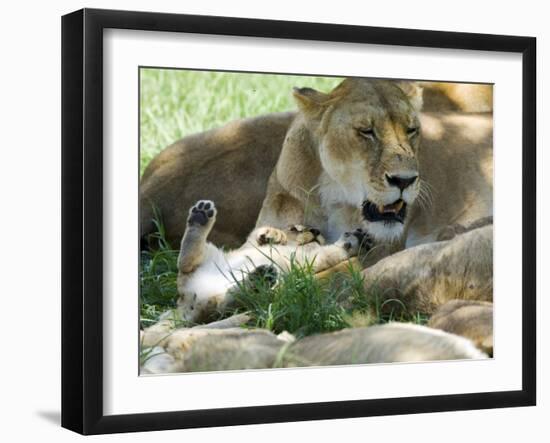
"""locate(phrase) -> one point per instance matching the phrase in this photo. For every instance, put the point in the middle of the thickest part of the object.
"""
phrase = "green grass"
(157, 277)
(304, 305)
(176, 103)
(299, 303)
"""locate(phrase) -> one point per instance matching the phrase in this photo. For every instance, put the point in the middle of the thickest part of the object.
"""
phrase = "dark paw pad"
(364, 238)
(198, 218)
(201, 213)
(204, 205)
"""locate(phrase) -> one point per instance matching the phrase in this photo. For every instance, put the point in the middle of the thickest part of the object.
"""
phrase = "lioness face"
(369, 134)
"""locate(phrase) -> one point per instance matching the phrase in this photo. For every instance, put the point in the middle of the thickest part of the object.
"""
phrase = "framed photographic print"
(271, 221)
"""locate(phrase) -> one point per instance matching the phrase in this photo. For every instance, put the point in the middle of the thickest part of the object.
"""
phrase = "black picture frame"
(82, 218)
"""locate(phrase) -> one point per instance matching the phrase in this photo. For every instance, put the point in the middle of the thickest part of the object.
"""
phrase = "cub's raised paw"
(268, 235)
(356, 241)
(202, 213)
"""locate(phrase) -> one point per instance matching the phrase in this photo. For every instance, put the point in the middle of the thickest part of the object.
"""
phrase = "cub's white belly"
(221, 271)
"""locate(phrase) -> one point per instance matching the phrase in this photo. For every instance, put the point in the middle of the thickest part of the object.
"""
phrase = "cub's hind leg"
(200, 221)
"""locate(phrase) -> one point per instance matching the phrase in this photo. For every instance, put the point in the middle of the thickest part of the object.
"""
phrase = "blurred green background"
(175, 103)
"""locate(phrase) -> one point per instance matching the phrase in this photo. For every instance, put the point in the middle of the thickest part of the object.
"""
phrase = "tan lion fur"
(425, 277)
(229, 165)
(469, 318)
(466, 97)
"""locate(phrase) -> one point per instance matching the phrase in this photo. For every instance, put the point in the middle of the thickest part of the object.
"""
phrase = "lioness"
(354, 157)
(421, 171)
(349, 159)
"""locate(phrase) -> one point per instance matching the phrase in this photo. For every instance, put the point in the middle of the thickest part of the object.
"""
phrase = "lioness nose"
(400, 181)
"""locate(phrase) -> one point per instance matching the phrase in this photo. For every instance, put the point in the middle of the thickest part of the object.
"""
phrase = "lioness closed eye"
(207, 274)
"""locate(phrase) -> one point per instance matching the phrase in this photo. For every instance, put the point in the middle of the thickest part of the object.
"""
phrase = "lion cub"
(207, 275)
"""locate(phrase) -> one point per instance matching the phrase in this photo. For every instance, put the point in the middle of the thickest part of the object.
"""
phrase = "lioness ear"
(414, 93)
(309, 99)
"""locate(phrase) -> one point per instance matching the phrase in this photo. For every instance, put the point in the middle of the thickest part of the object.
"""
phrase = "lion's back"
(230, 165)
